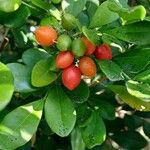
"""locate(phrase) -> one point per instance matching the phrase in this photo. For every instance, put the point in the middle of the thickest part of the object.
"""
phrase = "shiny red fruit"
(103, 52)
(64, 59)
(71, 77)
(90, 47)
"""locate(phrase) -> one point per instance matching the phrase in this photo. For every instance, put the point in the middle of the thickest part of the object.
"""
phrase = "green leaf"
(95, 132)
(146, 128)
(132, 101)
(9, 5)
(76, 140)
(105, 109)
(91, 35)
(129, 62)
(18, 126)
(139, 90)
(103, 16)
(17, 18)
(143, 77)
(80, 94)
(22, 76)
(111, 70)
(73, 7)
(42, 74)
(31, 56)
(127, 140)
(59, 111)
(41, 4)
(6, 85)
(137, 33)
(127, 14)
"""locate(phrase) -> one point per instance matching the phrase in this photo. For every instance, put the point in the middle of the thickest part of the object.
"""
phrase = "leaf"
(6, 85)
(139, 90)
(83, 18)
(127, 140)
(59, 111)
(127, 14)
(31, 56)
(73, 7)
(76, 140)
(18, 126)
(17, 18)
(22, 76)
(91, 35)
(146, 128)
(143, 77)
(103, 16)
(42, 74)
(105, 109)
(77, 96)
(129, 61)
(132, 101)
(111, 70)
(9, 5)
(137, 33)
(95, 132)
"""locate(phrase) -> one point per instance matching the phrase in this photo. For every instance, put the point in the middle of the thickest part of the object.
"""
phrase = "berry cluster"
(74, 62)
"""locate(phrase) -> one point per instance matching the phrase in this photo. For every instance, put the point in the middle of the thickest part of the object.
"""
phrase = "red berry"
(71, 77)
(103, 52)
(90, 47)
(64, 59)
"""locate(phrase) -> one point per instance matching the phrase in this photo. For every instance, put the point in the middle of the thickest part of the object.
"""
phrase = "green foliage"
(110, 107)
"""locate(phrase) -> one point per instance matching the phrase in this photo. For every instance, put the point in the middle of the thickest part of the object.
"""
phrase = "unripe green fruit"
(68, 22)
(78, 47)
(56, 1)
(9, 5)
(63, 42)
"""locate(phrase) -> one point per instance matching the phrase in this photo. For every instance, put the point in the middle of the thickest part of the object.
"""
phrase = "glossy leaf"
(73, 7)
(42, 74)
(139, 90)
(59, 111)
(6, 85)
(103, 16)
(76, 140)
(22, 75)
(132, 101)
(112, 71)
(95, 132)
(18, 126)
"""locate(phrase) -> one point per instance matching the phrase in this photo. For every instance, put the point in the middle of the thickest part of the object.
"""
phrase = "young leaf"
(6, 85)
(139, 90)
(73, 7)
(76, 140)
(95, 132)
(132, 101)
(22, 74)
(42, 74)
(59, 111)
(111, 70)
(18, 126)
(103, 16)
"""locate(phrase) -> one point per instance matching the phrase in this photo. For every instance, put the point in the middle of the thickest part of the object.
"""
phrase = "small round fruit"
(71, 77)
(45, 35)
(90, 47)
(56, 1)
(64, 59)
(87, 66)
(103, 52)
(78, 47)
(64, 42)
(68, 21)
